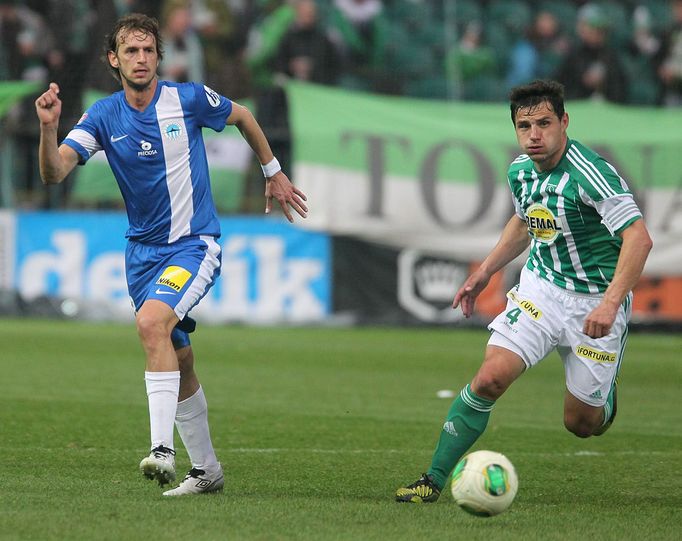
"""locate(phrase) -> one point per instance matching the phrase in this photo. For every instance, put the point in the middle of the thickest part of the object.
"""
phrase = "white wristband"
(271, 168)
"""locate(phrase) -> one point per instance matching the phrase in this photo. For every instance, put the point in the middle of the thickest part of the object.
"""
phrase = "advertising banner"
(272, 271)
(431, 176)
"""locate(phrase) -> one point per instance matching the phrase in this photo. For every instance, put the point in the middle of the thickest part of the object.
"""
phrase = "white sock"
(191, 419)
(162, 394)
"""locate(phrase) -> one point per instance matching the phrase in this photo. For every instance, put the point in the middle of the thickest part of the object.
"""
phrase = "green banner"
(431, 175)
(12, 92)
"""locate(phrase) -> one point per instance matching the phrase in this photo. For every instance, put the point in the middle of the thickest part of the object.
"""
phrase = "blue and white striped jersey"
(158, 158)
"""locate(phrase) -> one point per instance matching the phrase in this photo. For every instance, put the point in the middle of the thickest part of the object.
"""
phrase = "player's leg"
(155, 321)
(581, 419)
(469, 413)
(523, 335)
(467, 418)
(592, 367)
(191, 420)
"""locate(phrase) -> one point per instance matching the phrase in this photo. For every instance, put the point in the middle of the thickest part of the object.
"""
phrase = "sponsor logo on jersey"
(591, 354)
(172, 130)
(147, 149)
(542, 224)
(212, 96)
(525, 305)
(114, 139)
(174, 277)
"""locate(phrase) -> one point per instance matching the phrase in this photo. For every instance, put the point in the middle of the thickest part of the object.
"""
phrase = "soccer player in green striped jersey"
(588, 245)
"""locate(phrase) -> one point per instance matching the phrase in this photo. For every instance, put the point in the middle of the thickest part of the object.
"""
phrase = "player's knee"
(578, 425)
(489, 385)
(150, 329)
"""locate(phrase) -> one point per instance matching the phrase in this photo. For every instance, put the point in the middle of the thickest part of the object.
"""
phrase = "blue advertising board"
(272, 270)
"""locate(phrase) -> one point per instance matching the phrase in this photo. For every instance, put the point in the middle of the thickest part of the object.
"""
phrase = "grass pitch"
(316, 428)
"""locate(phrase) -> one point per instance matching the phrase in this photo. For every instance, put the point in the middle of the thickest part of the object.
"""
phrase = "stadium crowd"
(627, 52)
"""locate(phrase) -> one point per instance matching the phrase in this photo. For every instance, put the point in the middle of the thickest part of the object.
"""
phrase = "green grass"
(316, 428)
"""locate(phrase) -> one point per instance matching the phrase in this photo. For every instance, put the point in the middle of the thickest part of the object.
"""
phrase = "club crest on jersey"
(172, 130)
(212, 96)
(174, 277)
(542, 224)
(147, 149)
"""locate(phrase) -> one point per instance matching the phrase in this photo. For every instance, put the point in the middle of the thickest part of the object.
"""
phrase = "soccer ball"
(484, 483)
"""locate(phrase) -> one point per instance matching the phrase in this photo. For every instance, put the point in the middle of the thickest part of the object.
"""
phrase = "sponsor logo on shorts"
(595, 355)
(525, 305)
(542, 224)
(174, 277)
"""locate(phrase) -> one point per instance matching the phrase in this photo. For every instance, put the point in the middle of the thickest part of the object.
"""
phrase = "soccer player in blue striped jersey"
(588, 245)
(151, 134)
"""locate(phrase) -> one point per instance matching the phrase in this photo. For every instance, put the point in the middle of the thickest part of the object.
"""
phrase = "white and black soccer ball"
(484, 483)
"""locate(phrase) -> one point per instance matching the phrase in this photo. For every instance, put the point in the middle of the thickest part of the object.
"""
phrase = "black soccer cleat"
(421, 491)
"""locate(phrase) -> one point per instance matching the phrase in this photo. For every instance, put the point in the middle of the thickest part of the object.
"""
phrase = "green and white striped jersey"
(574, 214)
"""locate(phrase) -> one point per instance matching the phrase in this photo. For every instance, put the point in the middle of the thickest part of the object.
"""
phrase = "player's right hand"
(467, 294)
(49, 106)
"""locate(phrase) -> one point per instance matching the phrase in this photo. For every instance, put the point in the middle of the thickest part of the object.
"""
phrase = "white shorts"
(540, 317)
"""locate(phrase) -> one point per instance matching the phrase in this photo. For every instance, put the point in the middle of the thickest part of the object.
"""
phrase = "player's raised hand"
(49, 106)
(279, 187)
(467, 294)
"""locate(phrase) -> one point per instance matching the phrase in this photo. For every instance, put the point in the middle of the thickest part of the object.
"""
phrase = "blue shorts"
(177, 274)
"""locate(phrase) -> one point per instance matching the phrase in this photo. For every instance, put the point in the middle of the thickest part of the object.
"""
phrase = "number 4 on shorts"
(513, 315)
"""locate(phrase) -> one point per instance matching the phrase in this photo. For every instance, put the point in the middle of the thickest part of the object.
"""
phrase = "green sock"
(466, 421)
(608, 407)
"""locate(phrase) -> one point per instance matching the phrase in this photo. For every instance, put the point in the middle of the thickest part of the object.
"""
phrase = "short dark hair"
(535, 93)
(130, 23)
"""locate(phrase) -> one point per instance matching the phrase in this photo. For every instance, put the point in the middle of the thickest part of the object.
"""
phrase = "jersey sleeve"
(212, 109)
(518, 208)
(604, 189)
(83, 137)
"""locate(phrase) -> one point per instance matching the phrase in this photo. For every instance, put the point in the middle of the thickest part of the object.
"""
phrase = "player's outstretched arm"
(55, 162)
(277, 184)
(633, 254)
(513, 241)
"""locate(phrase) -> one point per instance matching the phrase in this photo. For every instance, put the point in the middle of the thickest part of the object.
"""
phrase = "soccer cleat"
(421, 491)
(199, 482)
(159, 465)
(614, 407)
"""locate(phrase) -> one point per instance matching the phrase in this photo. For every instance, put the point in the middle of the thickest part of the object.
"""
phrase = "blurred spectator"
(472, 66)
(183, 58)
(669, 60)
(539, 54)
(642, 49)
(306, 52)
(360, 30)
(223, 36)
(592, 69)
(25, 41)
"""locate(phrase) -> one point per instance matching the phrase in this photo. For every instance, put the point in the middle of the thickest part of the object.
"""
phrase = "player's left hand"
(279, 187)
(599, 321)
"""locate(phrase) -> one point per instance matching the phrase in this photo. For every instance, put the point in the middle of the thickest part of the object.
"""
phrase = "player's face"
(541, 134)
(136, 58)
